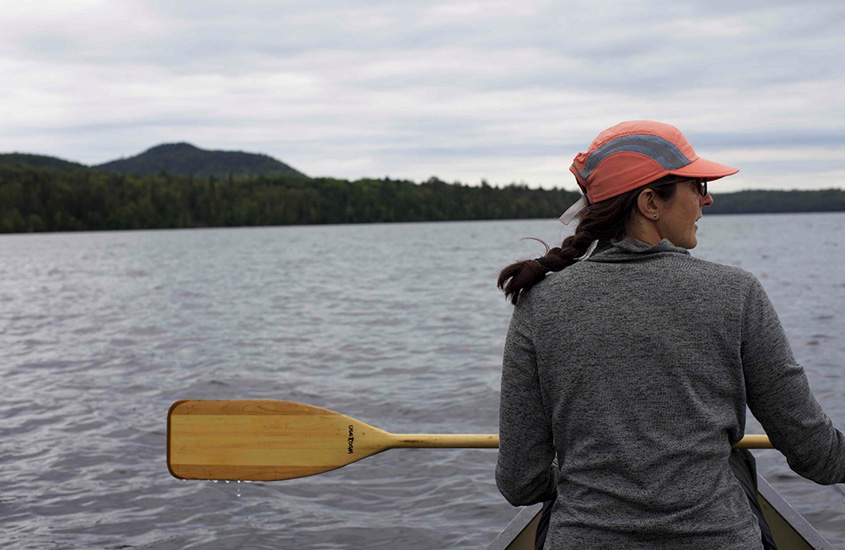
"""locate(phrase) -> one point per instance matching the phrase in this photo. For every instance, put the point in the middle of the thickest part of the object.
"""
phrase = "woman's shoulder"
(729, 281)
(725, 271)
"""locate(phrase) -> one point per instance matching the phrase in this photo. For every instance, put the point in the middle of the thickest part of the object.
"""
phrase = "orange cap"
(635, 153)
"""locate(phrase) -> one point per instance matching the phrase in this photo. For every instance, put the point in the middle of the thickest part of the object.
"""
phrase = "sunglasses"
(701, 184)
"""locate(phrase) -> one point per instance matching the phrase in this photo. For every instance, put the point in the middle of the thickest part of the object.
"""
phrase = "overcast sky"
(463, 90)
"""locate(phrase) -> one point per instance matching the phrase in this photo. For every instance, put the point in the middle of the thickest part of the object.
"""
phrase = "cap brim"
(706, 169)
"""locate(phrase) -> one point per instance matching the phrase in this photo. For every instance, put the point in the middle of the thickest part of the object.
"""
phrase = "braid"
(522, 275)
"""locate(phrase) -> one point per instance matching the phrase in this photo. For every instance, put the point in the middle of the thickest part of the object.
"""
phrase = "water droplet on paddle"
(239, 489)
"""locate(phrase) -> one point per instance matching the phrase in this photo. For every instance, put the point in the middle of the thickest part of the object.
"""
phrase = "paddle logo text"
(350, 441)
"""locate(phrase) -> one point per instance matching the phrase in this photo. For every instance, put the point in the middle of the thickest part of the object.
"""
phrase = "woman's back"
(638, 365)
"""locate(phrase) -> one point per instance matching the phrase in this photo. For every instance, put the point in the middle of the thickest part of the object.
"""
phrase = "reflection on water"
(397, 325)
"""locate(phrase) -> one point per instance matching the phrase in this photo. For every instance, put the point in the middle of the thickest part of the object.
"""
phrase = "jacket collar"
(632, 250)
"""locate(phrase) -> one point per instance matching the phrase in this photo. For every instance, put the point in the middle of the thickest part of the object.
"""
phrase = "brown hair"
(605, 220)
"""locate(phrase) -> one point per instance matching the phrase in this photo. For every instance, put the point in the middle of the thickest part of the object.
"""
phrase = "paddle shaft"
(446, 441)
(491, 441)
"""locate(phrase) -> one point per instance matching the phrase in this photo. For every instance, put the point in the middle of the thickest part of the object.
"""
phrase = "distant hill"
(39, 161)
(185, 159)
(178, 159)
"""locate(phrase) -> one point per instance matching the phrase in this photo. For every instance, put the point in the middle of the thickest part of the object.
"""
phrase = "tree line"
(36, 199)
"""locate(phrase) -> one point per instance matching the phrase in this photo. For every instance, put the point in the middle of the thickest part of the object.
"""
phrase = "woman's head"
(640, 179)
(628, 159)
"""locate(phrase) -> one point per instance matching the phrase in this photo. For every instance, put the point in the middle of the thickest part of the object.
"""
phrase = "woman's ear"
(647, 204)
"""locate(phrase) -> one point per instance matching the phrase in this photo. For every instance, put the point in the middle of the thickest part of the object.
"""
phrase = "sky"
(464, 90)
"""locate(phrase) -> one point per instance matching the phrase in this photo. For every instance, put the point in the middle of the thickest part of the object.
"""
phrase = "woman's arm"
(524, 472)
(779, 396)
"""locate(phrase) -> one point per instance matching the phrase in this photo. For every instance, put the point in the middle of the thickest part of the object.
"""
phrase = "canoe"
(789, 528)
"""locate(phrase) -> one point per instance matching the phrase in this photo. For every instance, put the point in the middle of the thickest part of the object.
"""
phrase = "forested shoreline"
(39, 199)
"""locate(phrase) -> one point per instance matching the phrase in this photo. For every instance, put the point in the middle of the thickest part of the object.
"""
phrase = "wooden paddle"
(269, 440)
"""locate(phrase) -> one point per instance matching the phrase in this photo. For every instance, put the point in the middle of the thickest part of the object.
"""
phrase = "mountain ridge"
(40, 161)
(178, 159)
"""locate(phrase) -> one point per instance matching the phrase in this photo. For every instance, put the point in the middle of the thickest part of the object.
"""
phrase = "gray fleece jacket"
(633, 370)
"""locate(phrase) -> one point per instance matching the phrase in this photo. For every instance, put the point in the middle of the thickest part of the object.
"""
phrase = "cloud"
(500, 90)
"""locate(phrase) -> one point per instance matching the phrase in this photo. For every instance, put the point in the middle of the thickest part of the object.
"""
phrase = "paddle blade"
(264, 440)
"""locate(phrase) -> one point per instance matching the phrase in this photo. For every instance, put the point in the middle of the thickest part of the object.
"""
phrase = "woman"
(627, 370)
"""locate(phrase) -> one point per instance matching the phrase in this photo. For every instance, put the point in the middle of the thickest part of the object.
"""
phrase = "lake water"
(397, 325)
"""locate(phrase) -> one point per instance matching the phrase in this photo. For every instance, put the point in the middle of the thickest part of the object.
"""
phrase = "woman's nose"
(706, 200)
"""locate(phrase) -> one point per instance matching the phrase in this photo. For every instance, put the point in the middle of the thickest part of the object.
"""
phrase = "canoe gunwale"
(803, 527)
(516, 526)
